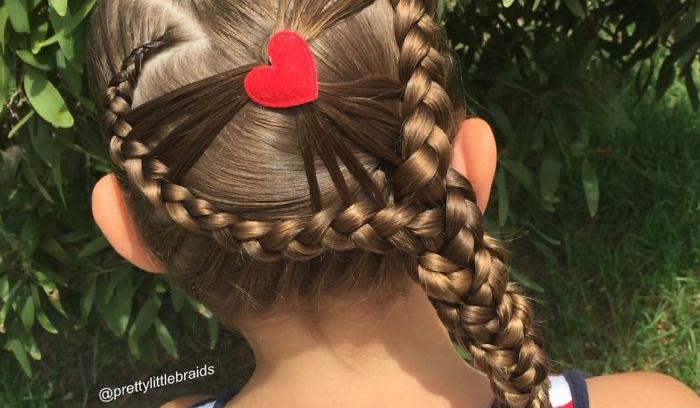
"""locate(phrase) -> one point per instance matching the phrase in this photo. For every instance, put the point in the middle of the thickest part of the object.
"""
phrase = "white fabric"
(560, 392)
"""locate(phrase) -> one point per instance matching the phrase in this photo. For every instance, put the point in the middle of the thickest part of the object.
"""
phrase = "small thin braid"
(118, 97)
(466, 279)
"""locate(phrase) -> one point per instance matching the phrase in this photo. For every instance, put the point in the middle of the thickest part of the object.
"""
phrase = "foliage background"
(594, 103)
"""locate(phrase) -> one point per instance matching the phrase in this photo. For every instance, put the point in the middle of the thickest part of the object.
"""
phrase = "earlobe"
(114, 220)
(475, 155)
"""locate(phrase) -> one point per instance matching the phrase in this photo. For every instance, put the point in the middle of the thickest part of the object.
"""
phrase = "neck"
(397, 347)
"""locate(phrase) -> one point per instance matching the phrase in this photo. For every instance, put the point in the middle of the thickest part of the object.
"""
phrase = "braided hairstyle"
(253, 210)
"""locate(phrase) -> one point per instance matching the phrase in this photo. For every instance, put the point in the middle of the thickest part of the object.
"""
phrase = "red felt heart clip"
(291, 78)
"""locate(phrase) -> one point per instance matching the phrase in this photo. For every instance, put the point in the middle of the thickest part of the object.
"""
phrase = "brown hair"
(253, 210)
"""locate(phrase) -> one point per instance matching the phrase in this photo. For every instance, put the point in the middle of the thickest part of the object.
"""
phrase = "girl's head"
(256, 210)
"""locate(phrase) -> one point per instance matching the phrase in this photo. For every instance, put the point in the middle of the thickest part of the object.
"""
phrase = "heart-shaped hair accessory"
(291, 78)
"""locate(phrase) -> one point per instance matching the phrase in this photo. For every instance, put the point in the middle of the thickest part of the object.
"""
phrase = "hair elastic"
(291, 78)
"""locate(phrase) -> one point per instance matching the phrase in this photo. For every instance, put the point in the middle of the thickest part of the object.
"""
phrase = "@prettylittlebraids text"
(110, 394)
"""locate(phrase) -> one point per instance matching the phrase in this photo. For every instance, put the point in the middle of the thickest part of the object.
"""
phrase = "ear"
(114, 220)
(474, 154)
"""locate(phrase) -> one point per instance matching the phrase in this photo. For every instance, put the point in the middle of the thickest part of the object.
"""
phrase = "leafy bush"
(55, 274)
(542, 72)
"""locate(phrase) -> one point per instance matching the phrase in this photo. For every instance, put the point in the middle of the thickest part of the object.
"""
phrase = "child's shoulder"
(640, 389)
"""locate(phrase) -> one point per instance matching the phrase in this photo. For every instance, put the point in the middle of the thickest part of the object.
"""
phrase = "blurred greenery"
(595, 107)
(621, 291)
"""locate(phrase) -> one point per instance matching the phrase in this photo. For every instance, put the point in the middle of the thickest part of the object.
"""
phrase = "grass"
(621, 291)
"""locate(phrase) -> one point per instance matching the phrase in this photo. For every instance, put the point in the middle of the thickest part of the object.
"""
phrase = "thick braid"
(467, 282)
(466, 279)
(426, 111)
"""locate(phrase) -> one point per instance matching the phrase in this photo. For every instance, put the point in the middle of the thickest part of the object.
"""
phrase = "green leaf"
(96, 245)
(61, 6)
(519, 171)
(5, 79)
(441, 9)
(19, 124)
(44, 321)
(20, 353)
(39, 31)
(69, 26)
(550, 174)
(576, 8)
(200, 308)
(50, 279)
(5, 309)
(500, 118)
(692, 89)
(54, 248)
(525, 280)
(56, 172)
(591, 187)
(144, 320)
(19, 16)
(117, 312)
(213, 328)
(165, 338)
(4, 287)
(55, 299)
(42, 140)
(46, 99)
(26, 313)
(178, 298)
(41, 317)
(70, 76)
(508, 3)
(32, 348)
(30, 238)
(3, 24)
(547, 252)
(544, 236)
(10, 159)
(51, 291)
(585, 57)
(41, 63)
(667, 74)
(503, 202)
(72, 46)
(31, 177)
(88, 296)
